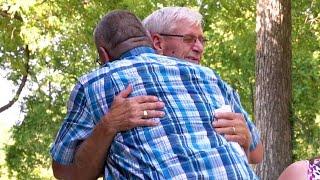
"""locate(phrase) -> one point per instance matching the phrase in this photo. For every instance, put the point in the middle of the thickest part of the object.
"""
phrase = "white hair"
(164, 20)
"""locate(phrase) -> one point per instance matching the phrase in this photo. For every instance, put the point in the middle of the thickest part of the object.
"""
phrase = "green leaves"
(230, 28)
(29, 156)
(306, 78)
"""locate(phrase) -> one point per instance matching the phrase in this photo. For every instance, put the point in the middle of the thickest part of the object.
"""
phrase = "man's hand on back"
(130, 112)
(125, 113)
(234, 128)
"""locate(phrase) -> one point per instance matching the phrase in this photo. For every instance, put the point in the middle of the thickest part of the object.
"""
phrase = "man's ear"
(157, 42)
(103, 55)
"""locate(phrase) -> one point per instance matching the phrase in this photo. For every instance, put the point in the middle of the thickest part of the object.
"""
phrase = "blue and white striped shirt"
(183, 146)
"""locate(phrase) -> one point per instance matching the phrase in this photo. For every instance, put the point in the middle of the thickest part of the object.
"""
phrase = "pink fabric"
(314, 170)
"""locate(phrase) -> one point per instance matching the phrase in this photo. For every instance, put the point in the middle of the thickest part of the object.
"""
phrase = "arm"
(255, 156)
(85, 165)
(246, 133)
(234, 128)
(124, 114)
(239, 132)
(61, 171)
(91, 154)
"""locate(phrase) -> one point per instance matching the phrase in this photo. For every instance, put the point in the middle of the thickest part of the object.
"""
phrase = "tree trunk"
(273, 85)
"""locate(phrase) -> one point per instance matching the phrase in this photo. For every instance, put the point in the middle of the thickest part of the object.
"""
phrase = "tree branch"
(8, 15)
(22, 84)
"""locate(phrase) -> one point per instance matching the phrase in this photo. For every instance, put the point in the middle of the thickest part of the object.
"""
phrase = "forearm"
(125, 113)
(90, 157)
(255, 156)
(61, 171)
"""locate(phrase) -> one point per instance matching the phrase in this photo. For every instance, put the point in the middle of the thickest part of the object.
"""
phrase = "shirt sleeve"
(233, 98)
(237, 107)
(77, 126)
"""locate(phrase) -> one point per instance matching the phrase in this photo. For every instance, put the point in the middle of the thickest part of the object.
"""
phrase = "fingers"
(127, 113)
(231, 130)
(147, 107)
(229, 116)
(152, 114)
(243, 140)
(138, 99)
(130, 112)
(239, 135)
(221, 123)
(146, 122)
(143, 110)
(125, 93)
(236, 138)
(228, 119)
(231, 127)
(152, 106)
(144, 99)
(127, 120)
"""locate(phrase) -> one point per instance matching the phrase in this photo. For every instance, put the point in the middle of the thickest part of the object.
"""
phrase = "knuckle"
(237, 115)
(156, 113)
(126, 100)
(151, 105)
(158, 104)
(144, 98)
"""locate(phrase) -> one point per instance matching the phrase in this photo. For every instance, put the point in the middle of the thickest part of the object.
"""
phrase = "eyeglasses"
(188, 38)
(97, 60)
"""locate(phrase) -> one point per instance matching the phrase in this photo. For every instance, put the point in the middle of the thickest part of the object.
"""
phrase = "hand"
(234, 128)
(127, 113)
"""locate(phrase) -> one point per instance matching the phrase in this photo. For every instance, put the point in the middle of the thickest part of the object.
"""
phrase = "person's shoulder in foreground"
(302, 170)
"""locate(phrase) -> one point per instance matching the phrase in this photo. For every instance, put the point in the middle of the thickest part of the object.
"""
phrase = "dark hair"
(115, 28)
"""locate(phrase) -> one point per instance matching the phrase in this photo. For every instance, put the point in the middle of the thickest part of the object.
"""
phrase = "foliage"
(29, 154)
(306, 78)
(231, 51)
(58, 34)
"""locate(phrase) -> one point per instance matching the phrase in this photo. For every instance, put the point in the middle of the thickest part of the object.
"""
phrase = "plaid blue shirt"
(183, 146)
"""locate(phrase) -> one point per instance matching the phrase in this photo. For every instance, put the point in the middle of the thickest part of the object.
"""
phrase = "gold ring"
(145, 113)
(234, 130)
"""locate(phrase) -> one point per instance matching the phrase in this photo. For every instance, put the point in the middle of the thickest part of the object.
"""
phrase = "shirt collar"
(134, 52)
(137, 51)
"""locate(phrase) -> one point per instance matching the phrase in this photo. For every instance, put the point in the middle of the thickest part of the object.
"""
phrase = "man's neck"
(137, 51)
(130, 44)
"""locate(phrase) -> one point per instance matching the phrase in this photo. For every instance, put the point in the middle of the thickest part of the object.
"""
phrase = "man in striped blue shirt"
(183, 145)
(177, 32)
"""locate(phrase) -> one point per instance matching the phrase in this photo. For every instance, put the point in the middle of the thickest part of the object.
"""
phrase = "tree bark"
(273, 85)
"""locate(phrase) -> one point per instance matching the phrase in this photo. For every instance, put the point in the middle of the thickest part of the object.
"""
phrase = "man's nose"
(198, 46)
